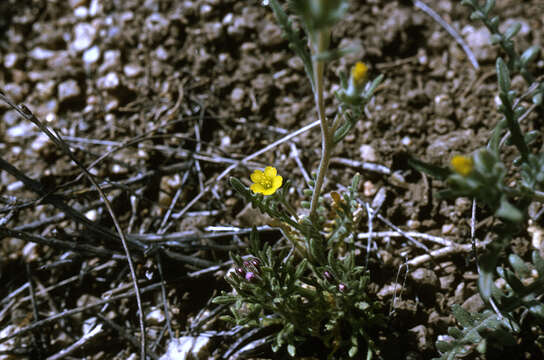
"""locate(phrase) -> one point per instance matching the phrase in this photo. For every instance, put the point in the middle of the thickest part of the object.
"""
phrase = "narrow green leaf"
(529, 55)
(301, 268)
(519, 266)
(508, 211)
(375, 83)
(477, 15)
(503, 75)
(485, 280)
(494, 39)
(434, 171)
(512, 30)
(489, 5)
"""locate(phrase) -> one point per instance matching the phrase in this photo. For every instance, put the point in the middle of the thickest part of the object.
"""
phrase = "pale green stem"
(319, 66)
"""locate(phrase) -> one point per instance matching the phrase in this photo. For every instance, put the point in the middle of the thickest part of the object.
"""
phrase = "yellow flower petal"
(276, 183)
(270, 172)
(269, 191)
(257, 188)
(257, 176)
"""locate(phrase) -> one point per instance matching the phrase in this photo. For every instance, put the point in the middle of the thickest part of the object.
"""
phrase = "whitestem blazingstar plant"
(316, 293)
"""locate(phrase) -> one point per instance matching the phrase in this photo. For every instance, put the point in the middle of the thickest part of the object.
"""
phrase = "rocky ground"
(161, 100)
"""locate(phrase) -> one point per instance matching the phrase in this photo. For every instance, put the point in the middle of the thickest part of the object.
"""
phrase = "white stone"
(368, 153)
(112, 59)
(92, 215)
(132, 70)
(10, 60)
(237, 95)
(91, 55)
(14, 186)
(109, 82)
(155, 317)
(39, 53)
(187, 347)
(21, 129)
(81, 12)
(68, 89)
(84, 35)
(39, 143)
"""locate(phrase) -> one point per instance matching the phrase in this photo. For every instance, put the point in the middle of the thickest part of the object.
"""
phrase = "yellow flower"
(462, 164)
(266, 182)
(359, 72)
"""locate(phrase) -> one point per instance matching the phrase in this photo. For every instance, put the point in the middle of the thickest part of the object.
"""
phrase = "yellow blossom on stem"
(359, 72)
(462, 164)
(266, 182)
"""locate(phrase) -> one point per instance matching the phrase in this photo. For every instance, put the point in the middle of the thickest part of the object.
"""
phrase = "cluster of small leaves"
(523, 289)
(321, 296)
(532, 172)
(482, 177)
(352, 106)
(486, 184)
(478, 331)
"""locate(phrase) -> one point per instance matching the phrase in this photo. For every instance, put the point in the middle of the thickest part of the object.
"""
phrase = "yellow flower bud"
(359, 72)
(462, 164)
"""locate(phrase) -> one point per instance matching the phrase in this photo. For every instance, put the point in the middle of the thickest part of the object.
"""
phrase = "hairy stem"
(319, 66)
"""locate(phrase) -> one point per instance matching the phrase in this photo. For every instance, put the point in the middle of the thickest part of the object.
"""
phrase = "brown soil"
(169, 94)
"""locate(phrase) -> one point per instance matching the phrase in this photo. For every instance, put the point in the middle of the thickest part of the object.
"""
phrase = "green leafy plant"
(482, 176)
(315, 292)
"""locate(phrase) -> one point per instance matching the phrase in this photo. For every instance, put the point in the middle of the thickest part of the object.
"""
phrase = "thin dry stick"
(78, 344)
(27, 114)
(164, 297)
(124, 334)
(450, 30)
(77, 310)
(415, 234)
(449, 250)
(198, 147)
(294, 154)
(243, 161)
(37, 336)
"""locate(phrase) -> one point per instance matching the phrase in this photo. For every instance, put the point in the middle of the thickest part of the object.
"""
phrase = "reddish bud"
(327, 275)
(255, 262)
(250, 276)
(240, 271)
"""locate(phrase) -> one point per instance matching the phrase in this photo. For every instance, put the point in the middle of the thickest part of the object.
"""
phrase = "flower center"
(267, 183)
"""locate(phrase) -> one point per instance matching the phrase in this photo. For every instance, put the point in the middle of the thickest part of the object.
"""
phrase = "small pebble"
(68, 90)
(11, 60)
(84, 35)
(91, 56)
(155, 317)
(132, 70)
(369, 189)
(39, 53)
(112, 60)
(368, 153)
(271, 35)
(109, 82)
